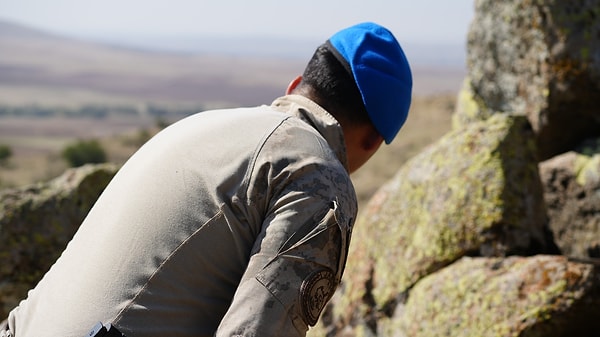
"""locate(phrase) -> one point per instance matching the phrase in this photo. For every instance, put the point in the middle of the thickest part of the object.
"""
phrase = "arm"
(298, 258)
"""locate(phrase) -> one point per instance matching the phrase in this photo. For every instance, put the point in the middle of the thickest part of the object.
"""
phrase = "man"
(233, 222)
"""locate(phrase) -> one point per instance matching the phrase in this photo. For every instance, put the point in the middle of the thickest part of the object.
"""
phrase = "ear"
(371, 140)
(293, 84)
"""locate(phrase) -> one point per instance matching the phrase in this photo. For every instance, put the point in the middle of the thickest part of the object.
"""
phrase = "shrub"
(161, 123)
(84, 152)
(5, 153)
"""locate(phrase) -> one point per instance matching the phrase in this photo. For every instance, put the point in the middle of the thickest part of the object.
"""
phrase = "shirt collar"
(313, 114)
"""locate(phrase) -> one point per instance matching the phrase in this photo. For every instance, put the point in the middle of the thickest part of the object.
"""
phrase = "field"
(37, 142)
(44, 72)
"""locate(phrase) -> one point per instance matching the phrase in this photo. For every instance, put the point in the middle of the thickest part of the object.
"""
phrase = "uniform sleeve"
(299, 256)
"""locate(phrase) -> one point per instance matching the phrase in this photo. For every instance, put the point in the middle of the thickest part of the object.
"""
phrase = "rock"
(37, 222)
(539, 59)
(429, 253)
(572, 194)
(546, 296)
(469, 107)
(542, 295)
(474, 192)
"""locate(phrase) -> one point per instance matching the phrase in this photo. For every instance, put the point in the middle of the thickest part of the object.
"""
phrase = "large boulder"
(475, 192)
(572, 194)
(537, 296)
(545, 296)
(432, 255)
(539, 59)
(37, 222)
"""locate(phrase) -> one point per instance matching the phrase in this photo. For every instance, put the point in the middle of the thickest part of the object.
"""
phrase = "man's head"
(362, 77)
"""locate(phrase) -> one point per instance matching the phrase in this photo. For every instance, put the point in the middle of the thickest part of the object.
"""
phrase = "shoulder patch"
(316, 290)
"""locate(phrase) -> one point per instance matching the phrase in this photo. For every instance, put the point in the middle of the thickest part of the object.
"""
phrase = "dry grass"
(37, 143)
(49, 71)
(53, 72)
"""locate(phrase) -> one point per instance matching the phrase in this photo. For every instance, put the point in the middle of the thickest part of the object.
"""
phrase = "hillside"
(48, 71)
(42, 68)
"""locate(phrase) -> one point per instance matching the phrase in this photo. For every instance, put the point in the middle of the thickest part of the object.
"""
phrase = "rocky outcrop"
(453, 244)
(458, 242)
(538, 296)
(539, 59)
(451, 200)
(475, 192)
(545, 296)
(37, 222)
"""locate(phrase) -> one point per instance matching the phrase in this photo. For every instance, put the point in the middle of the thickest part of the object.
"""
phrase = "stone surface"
(539, 58)
(572, 194)
(547, 296)
(537, 296)
(37, 222)
(431, 254)
(475, 192)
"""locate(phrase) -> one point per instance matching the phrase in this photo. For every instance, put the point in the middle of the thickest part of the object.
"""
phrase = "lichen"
(587, 169)
(468, 107)
(487, 297)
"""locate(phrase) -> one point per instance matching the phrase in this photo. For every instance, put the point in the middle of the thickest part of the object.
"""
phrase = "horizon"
(192, 26)
(437, 68)
(430, 21)
(299, 48)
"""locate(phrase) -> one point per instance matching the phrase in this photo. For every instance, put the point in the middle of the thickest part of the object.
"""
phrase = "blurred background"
(101, 77)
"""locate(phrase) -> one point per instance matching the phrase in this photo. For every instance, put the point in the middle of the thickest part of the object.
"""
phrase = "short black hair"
(334, 87)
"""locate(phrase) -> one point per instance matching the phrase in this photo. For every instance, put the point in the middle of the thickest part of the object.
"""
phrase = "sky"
(420, 21)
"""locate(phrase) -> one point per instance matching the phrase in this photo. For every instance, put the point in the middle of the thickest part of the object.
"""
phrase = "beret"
(381, 71)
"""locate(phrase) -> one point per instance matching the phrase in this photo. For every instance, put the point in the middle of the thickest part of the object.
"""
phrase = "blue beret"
(381, 72)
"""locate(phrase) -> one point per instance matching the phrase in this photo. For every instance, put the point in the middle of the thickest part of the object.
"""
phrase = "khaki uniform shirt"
(229, 222)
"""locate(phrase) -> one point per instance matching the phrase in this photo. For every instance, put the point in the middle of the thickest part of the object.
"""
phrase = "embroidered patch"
(315, 292)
